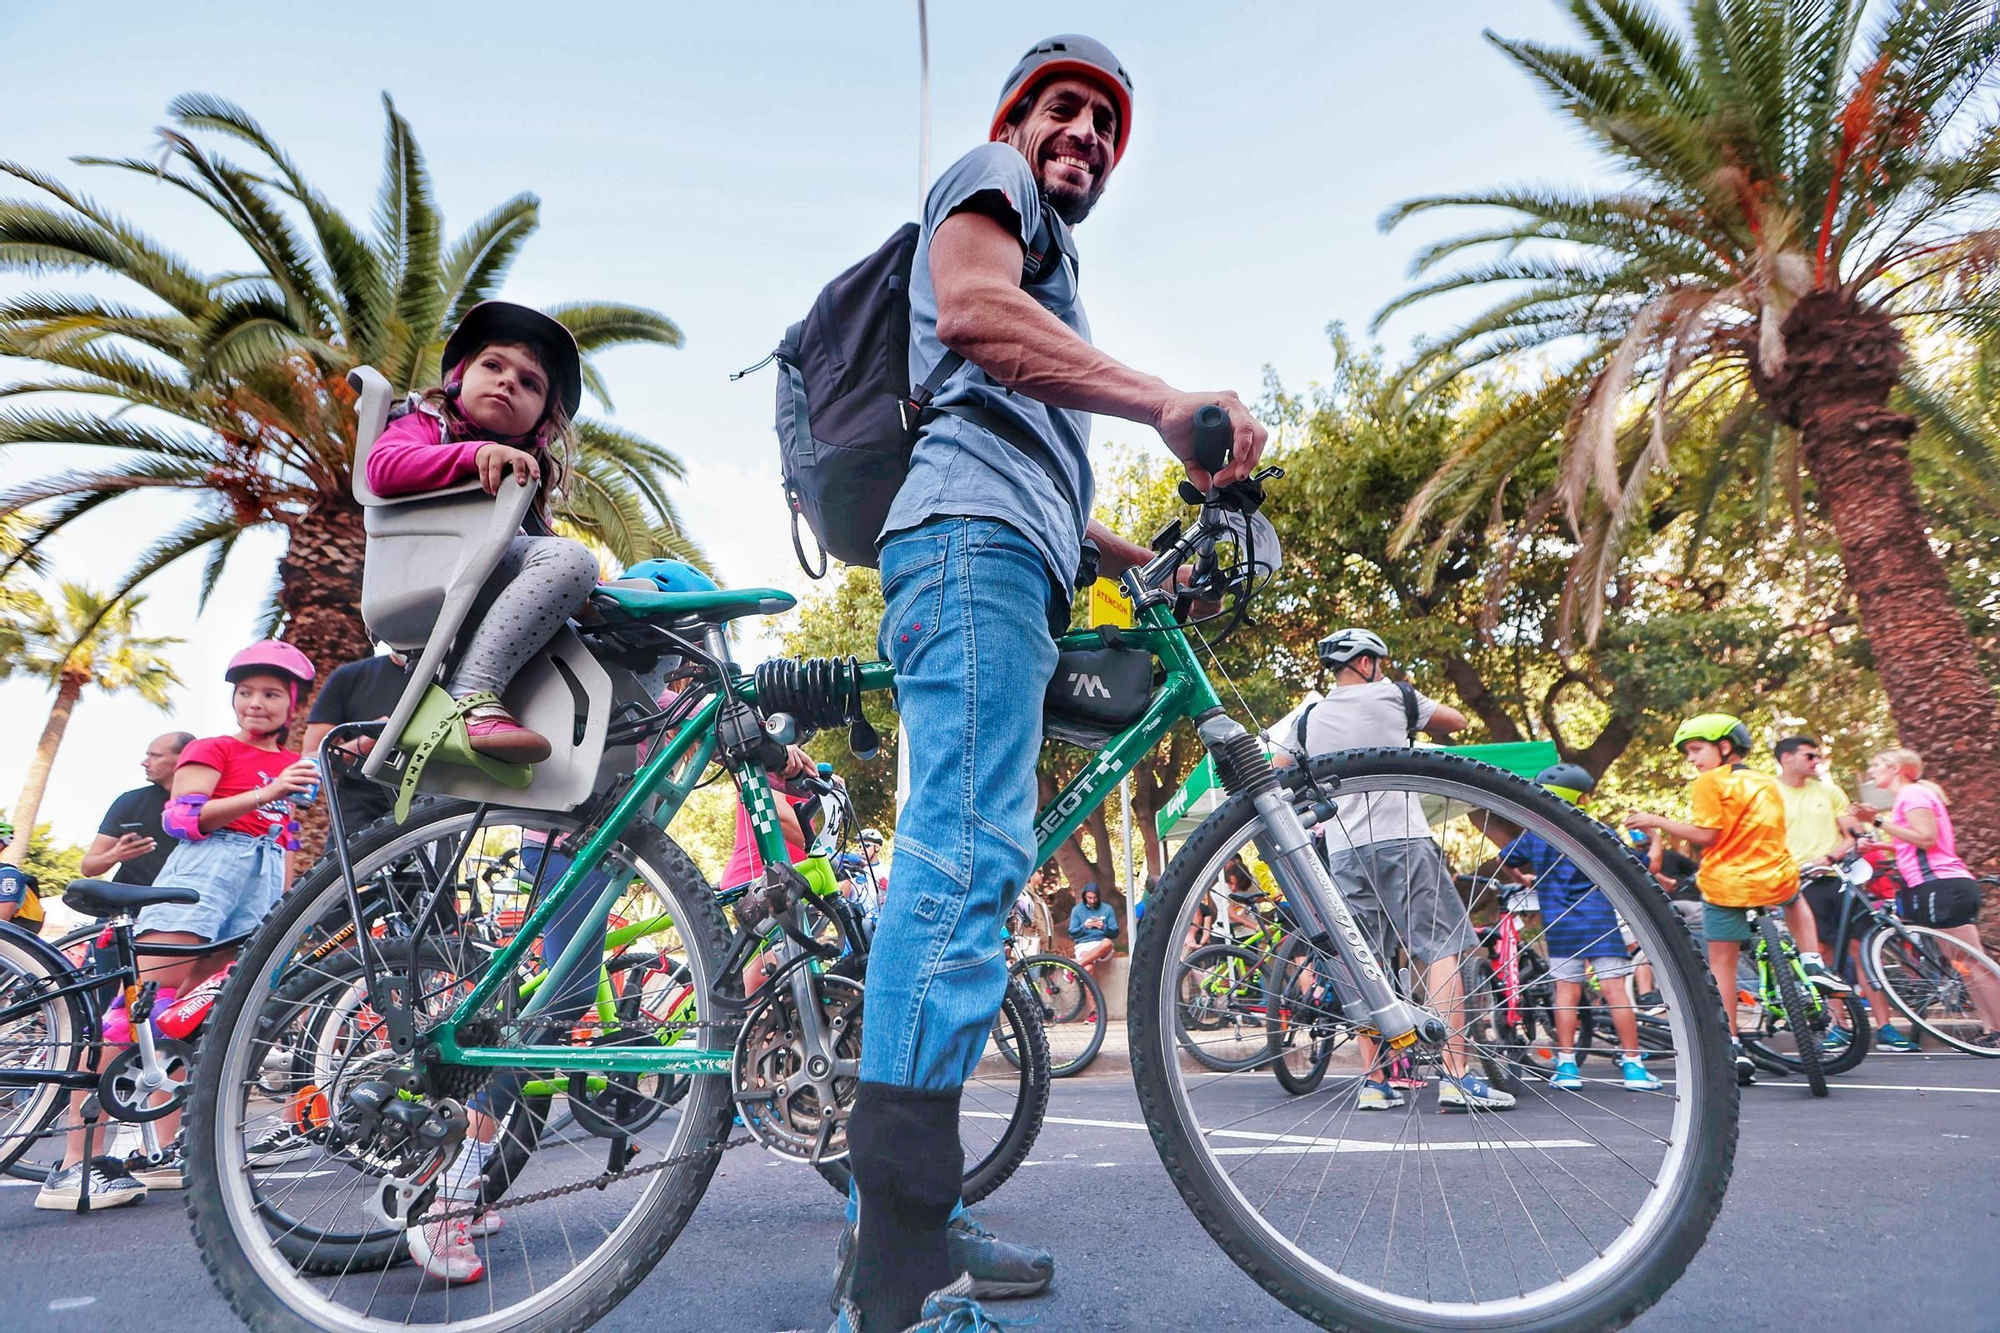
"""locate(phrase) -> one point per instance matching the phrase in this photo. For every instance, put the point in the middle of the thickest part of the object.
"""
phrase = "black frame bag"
(847, 416)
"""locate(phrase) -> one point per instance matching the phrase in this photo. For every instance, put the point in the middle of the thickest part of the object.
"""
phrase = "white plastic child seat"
(427, 558)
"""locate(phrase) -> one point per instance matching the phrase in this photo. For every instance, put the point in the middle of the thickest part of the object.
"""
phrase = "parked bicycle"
(1074, 1016)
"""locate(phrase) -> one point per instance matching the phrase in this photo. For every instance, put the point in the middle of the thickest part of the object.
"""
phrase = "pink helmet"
(272, 657)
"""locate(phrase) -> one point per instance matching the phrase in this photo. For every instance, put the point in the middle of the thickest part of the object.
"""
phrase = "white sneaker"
(1469, 1092)
(283, 1144)
(444, 1250)
(486, 1224)
(110, 1187)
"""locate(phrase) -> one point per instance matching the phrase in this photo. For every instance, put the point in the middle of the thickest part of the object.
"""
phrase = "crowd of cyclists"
(984, 531)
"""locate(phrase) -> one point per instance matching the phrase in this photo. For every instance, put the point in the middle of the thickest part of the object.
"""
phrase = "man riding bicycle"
(977, 559)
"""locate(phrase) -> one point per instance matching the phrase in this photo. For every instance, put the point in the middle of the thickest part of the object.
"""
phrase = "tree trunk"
(319, 587)
(1842, 361)
(68, 691)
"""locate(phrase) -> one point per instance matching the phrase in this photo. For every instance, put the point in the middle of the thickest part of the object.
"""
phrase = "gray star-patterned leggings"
(540, 583)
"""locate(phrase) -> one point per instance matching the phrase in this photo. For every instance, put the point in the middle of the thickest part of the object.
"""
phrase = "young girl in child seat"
(232, 814)
(512, 382)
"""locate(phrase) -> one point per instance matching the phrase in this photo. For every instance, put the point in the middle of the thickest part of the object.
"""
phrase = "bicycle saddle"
(107, 897)
(637, 601)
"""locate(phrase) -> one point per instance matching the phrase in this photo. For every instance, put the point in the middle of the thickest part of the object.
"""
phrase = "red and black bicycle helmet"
(1069, 53)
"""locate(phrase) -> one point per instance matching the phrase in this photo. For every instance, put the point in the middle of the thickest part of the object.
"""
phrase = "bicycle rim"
(47, 1034)
(1799, 1036)
(1574, 1210)
(1072, 1009)
(1220, 1018)
(1935, 979)
(559, 1262)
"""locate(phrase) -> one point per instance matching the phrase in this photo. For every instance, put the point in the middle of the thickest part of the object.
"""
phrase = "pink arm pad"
(182, 817)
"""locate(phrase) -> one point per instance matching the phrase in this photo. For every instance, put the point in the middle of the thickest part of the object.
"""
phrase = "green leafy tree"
(241, 374)
(82, 639)
(1785, 183)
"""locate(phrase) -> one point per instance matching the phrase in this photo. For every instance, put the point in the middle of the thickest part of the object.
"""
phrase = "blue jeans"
(966, 627)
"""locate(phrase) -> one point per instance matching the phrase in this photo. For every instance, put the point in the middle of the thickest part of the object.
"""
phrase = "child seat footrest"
(437, 731)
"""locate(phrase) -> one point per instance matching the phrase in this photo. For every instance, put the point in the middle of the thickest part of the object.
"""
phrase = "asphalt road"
(1879, 1207)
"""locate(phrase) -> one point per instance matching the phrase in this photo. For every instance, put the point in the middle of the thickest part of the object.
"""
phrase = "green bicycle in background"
(1441, 1226)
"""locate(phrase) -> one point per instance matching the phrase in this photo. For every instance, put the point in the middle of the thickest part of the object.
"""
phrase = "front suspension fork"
(1287, 848)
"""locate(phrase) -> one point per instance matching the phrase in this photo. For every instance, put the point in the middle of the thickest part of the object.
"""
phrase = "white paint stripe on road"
(1292, 1142)
(1781, 1084)
(1365, 1145)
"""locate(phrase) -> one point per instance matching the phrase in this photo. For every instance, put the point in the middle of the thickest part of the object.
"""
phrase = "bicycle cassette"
(795, 1104)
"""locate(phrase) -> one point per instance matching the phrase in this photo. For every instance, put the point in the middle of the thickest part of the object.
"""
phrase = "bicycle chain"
(602, 1180)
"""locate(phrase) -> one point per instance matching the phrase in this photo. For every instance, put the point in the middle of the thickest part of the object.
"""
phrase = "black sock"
(908, 1169)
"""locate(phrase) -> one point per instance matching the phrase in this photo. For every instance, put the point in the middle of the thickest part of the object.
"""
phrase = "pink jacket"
(408, 459)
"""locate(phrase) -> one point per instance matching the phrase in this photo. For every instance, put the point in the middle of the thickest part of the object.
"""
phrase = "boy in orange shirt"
(1739, 823)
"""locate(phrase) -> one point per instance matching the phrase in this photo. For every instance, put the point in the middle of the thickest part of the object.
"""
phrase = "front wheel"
(1800, 1035)
(1361, 1207)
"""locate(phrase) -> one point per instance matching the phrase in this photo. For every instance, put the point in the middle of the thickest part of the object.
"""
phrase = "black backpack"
(847, 416)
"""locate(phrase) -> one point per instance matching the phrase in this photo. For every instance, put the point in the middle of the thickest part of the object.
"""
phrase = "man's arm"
(106, 851)
(1444, 721)
(984, 316)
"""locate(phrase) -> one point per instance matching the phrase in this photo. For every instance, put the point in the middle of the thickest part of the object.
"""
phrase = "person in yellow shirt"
(1738, 822)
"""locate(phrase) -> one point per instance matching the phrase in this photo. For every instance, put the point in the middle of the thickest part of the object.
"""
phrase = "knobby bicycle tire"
(1851, 1015)
(1705, 1099)
(270, 1298)
(1299, 1020)
(1805, 1038)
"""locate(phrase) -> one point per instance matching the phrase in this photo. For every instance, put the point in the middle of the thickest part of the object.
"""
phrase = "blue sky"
(719, 163)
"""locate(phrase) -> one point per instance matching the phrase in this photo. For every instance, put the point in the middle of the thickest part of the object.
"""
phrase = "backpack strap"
(1042, 255)
(1299, 728)
(1409, 693)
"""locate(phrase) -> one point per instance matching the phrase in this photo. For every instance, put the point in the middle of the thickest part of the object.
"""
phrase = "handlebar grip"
(1212, 437)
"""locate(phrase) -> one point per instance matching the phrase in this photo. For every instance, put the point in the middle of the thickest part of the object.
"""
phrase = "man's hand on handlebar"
(1176, 427)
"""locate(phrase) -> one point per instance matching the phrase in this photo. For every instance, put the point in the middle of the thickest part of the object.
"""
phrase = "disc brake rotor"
(792, 1104)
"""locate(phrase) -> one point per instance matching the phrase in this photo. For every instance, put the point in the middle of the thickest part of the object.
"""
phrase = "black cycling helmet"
(1069, 53)
(492, 322)
(1572, 782)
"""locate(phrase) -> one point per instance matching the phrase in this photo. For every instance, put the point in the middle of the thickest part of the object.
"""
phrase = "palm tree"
(243, 373)
(84, 639)
(1787, 185)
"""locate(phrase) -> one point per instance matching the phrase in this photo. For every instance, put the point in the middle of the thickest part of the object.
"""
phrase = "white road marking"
(1366, 1145)
(72, 1302)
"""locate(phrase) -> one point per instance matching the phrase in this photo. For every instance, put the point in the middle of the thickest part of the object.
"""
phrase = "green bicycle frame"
(676, 767)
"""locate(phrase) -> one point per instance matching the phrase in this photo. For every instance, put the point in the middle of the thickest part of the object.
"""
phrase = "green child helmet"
(1717, 727)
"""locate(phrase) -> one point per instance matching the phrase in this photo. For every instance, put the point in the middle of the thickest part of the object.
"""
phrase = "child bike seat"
(623, 601)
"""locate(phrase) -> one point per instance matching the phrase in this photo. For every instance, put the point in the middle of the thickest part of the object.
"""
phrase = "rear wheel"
(1939, 982)
(1799, 1034)
(1303, 1017)
(561, 1260)
(1404, 1219)
(1844, 1042)
(1072, 1009)
(1219, 1018)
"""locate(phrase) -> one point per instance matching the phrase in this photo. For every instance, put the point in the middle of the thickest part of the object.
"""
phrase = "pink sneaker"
(486, 1224)
(495, 732)
(444, 1250)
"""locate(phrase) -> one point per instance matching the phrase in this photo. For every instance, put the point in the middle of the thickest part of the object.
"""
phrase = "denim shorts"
(240, 879)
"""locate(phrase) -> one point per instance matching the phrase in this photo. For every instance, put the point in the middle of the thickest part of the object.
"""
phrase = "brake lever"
(1242, 497)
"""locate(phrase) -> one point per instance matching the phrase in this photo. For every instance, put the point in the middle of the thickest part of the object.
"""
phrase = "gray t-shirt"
(959, 468)
(1355, 717)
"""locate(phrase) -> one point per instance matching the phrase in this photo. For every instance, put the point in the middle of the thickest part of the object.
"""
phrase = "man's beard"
(1071, 205)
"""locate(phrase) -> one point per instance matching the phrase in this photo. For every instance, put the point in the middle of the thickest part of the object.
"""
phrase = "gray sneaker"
(111, 1186)
(952, 1310)
(996, 1269)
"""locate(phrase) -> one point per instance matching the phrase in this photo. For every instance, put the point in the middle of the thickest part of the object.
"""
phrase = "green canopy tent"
(1202, 792)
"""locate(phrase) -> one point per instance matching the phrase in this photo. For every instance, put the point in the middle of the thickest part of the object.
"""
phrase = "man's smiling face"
(1068, 137)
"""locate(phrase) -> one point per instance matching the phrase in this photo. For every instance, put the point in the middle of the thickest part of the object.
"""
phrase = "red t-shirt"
(244, 768)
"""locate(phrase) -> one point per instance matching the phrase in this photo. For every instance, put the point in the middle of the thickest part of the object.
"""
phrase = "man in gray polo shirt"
(1381, 853)
(982, 539)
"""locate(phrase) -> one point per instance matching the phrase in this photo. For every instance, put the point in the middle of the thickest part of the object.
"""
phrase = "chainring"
(122, 1090)
(795, 1111)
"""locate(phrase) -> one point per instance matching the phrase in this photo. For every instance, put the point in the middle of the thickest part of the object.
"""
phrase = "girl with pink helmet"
(512, 382)
(231, 809)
